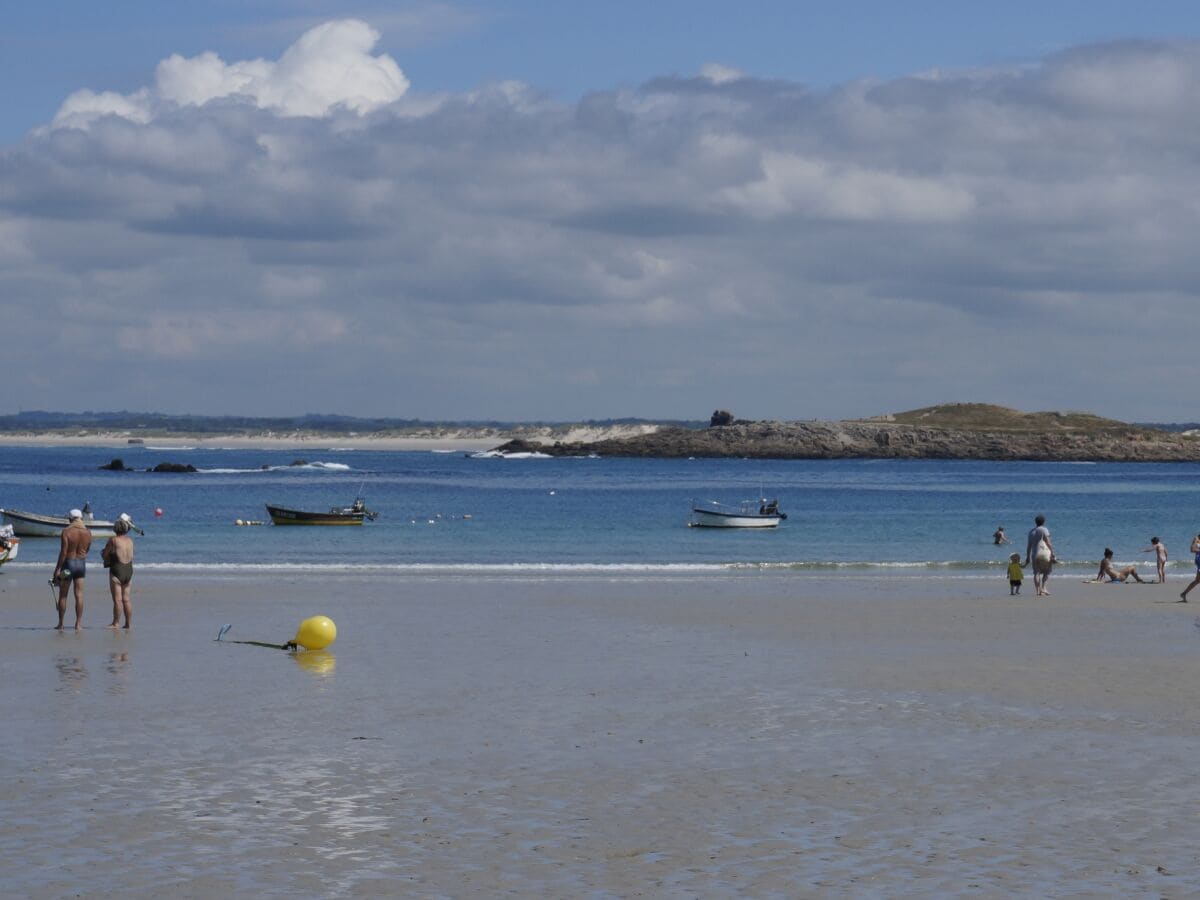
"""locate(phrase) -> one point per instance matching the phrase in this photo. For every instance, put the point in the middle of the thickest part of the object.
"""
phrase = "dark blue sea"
(451, 512)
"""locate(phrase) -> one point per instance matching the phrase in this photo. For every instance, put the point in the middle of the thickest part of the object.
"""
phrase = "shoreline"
(848, 572)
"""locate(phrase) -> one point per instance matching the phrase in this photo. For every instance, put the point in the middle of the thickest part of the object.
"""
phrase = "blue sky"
(557, 211)
(565, 48)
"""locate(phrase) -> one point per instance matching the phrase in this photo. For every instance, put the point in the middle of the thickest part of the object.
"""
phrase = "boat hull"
(283, 516)
(707, 518)
(27, 524)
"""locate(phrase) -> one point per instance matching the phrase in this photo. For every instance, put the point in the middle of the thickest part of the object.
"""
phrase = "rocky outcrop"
(885, 440)
(173, 467)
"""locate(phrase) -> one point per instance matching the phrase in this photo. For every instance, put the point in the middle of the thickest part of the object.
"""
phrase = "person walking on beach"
(1039, 550)
(999, 537)
(118, 559)
(1195, 581)
(1108, 570)
(1015, 575)
(71, 567)
(1159, 549)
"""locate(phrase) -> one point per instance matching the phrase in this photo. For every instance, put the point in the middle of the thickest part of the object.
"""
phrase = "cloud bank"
(310, 234)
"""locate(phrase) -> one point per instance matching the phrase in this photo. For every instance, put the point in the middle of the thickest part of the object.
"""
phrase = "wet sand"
(766, 736)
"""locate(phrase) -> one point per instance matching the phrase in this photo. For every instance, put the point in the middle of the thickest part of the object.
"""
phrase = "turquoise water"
(449, 511)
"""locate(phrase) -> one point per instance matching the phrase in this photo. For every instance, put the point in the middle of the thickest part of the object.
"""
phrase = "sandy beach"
(441, 439)
(751, 735)
(256, 441)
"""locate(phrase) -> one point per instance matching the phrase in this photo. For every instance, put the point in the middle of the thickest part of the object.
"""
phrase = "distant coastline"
(952, 431)
(449, 438)
(248, 441)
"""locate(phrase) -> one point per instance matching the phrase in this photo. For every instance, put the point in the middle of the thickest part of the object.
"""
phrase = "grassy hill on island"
(952, 431)
(987, 417)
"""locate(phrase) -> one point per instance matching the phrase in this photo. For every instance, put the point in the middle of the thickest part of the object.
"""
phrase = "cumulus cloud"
(720, 74)
(329, 66)
(85, 105)
(794, 185)
(989, 235)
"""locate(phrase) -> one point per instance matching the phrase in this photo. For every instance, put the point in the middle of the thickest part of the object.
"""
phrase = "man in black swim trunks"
(71, 567)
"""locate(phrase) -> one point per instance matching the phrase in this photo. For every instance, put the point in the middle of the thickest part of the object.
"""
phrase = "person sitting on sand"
(999, 537)
(1159, 549)
(1108, 570)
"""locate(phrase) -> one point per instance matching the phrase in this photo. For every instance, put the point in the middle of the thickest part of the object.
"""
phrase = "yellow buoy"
(316, 633)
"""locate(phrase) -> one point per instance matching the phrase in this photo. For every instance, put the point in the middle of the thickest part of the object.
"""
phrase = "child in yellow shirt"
(1015, 574)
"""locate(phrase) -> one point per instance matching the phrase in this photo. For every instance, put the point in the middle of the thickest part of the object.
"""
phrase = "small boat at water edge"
(9, 544)
(28, 524)
(760, 513)
(354, 514)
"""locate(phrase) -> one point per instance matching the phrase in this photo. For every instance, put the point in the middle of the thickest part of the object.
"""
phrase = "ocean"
(454, 512)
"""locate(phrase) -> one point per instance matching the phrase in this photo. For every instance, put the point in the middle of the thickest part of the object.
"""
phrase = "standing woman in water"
(118, 558)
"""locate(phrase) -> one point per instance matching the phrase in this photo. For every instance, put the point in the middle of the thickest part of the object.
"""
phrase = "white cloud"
(329, 66)
(720, 74)
(81, 107)
(225, 334)
(14, 246)
(1136, 77)
(793, 185)
(286, 285)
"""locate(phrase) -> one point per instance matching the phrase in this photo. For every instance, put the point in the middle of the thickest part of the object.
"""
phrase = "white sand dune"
(434, 438)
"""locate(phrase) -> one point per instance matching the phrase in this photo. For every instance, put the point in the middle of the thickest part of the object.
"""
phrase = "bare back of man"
(75, 542)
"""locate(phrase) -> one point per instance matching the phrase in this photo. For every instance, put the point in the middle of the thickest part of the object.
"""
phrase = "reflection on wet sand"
(319, 662)
(72, 673)
(118, 666)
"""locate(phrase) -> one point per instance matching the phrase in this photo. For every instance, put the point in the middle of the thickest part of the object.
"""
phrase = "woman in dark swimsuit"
(118, 557)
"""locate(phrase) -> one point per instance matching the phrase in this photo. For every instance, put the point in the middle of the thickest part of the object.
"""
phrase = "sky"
(564, 211)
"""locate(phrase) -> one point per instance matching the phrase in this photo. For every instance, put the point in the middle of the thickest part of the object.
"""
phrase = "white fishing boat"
(761, 513)
(28, 524)
(9, 544)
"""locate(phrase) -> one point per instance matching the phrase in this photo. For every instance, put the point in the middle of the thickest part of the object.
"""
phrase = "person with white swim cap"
(71, 566)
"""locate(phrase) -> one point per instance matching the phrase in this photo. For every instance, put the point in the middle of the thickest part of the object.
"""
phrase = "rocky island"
(954, 431)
